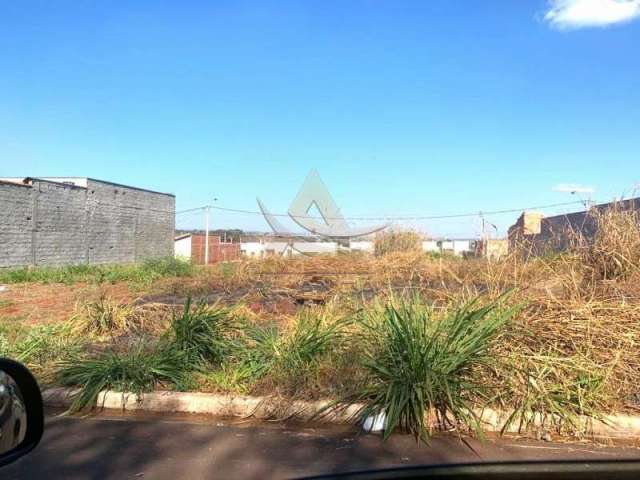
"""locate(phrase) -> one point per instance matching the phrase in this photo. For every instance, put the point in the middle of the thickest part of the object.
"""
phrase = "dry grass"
(578, 331)
(391, 241)
(614, 253)
(573, 348)
(106, 316)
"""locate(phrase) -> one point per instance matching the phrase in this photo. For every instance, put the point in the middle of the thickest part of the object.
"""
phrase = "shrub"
(419, 365)
(139, 369)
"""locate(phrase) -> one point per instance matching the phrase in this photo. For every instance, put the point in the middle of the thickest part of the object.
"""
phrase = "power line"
(391, 217)
(196, 209)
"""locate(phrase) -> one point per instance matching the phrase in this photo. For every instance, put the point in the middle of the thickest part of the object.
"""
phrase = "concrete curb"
(207, 403)
(611, 426)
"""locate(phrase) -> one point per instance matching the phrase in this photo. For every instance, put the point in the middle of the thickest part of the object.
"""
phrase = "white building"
(362, 246)
(182, 246)
(264, 248)
(430, 246)
(252, 249)
(456, 246)
(464, 246)
(259, 248)
(313, 248)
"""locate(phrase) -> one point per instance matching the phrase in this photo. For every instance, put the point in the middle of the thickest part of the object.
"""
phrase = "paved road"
(191, 447)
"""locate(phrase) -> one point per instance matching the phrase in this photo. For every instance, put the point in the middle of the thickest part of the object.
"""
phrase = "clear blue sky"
(404, 107)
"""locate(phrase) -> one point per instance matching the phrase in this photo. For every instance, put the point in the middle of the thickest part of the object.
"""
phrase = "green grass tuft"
(204, 334)
(106, 316)
(142, 273)
(140, 369)
(44, 345)
(419, 363)
(291, 357)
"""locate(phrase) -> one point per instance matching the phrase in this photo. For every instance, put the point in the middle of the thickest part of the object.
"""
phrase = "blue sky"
(403, 107)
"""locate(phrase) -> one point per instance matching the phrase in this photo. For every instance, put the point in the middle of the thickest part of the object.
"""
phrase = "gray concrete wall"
(16, 210)
(50, 223)
(127, 224)
(59, 224)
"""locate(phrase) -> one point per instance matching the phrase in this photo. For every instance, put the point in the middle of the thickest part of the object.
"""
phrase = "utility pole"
(207, 210)
(483, 237)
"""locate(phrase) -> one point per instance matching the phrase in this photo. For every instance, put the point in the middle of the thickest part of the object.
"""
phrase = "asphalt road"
(112, 446)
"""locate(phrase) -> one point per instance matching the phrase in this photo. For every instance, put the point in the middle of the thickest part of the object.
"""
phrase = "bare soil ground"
(38, 303)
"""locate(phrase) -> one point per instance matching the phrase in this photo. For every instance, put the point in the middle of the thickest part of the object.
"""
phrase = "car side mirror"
(21, 411)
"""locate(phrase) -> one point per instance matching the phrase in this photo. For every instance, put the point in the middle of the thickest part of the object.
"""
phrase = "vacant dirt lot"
(37, 303)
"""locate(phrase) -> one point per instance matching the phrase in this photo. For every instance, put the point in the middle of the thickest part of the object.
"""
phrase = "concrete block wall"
(52, 223)
(59, 224)
(16, 210)
(127, 224)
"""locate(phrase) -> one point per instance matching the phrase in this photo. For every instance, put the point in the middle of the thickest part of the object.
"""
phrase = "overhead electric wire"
(391, 217)
(192, 210)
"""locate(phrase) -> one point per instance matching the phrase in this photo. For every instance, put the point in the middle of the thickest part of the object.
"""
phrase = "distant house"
(268, 245)
(258, 247)
(455, 246)
(311, 248)
(182, 246)
(266, 249)
(274, 248)
(361, 246)
(492, 248)
(192, 246)
(544, 234)
(252, 249)
(430, 246)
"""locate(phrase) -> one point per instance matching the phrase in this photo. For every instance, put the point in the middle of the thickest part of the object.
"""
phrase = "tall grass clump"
(288, 359)
(139, 369)
(551, 390)
(106, 316)
(42, 346)
(204, 334)
(420, 364)
(396, 241)
(614, 251)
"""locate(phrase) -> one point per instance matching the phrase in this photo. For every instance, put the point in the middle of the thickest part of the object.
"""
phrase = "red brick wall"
(218, 251)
